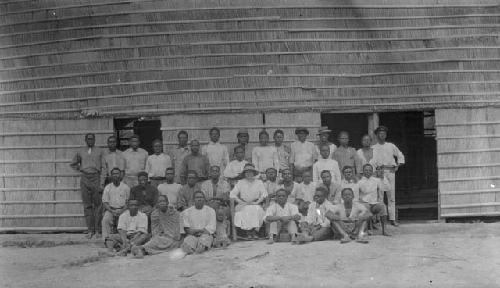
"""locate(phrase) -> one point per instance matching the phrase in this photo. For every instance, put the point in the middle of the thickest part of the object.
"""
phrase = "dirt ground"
(417, 255)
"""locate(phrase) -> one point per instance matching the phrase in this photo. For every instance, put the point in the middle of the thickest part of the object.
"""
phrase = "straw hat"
(324, 129)
(301, 129)
(381, 128)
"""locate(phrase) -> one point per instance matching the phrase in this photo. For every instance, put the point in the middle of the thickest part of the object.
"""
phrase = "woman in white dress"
(249, 193)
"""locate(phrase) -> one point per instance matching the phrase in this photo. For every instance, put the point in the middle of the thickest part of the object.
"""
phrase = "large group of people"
(198, 197)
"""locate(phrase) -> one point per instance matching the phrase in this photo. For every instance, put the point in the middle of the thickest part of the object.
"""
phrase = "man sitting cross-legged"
(316, 223)
(200, 224)
(281, 213)
(370, 195)
(349, 218)
(132, 229)
(166, 229)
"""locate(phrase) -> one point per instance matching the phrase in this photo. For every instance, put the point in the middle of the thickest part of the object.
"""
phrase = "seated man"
(349, 218)
(169, 188)
(145, 194)
(114, 200)
(199, 224)
(132, 229)
(216, 189)
(370, 195)
(166, 229)
(316, 224)
(282, 213)
(187, 191)
(333, 189)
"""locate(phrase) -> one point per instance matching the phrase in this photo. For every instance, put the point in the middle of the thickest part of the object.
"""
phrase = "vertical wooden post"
(373, 123)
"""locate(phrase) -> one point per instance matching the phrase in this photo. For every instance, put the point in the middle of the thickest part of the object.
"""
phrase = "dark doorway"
(147, 130)
(355, 124)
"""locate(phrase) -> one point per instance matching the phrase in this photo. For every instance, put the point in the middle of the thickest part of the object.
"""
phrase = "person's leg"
(107, 224)
(87, 204)
(321, 233)
(204, 243)
(273, 231)
(391, 196)
(292, 229)
(96, 204)
(189, 245)
(338, 227)
(113, 241)
(360, 228)
(380, 210)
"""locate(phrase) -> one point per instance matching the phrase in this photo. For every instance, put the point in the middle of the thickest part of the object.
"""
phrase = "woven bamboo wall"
(38, 189)
(469, 161)
(120, 57)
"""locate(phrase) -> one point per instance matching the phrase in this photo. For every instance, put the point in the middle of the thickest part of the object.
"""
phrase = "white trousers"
(391, 195)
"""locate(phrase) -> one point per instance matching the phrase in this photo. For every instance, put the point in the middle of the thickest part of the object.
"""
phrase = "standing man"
(383, 158)
(195, 162)
(216, 153)
(303, 154)
(114, 200)
(243, 139)
(157, 164)
(179, 153)
(90, 162)
(347, 156)
(283, 150)
(135, 161)
(113, 158)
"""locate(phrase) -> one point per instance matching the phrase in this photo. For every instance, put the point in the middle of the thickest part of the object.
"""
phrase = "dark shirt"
(145, 195)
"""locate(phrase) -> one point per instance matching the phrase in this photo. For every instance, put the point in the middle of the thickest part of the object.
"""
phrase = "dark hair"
(170, 169)
(271, 168)
(192, 172)
(322, 189)
(214, 129)
(89, 134)
(182, 132)
(157, 140)
(135, 136)
(162, 196)
(346, 189)
(367, 164)
(198, 192)
(112, 137)
(217, 166)
(114, 169)
(323, 145)
(142, 173)
(238, 147)
(325, 171)
(347, 167)
(263, 132)
(278, 131)
(281, 189)
(343, 132)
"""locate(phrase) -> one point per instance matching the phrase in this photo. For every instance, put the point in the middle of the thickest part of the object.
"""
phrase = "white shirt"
(308, 191)
(275, 209)
(383, 154)
(203, 218)
(332, 146)
(115, 196)
(302, 155)
(326, 164)
(264, 157)
(171, 191)
(369, 189)
(133, 224)
(316, 213)
(135, 161)
(350, 184)
(296, 192)
(157, 164)
(234, 168)
(217, 154)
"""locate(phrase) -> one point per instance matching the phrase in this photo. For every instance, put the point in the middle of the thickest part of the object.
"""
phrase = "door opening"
(147, 130)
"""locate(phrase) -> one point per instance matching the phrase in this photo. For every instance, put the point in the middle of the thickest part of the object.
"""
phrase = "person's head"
(191, 178)
(221, 215)
(326, 177)
(214, 134)
(301, 134)
(169, 174)
(263, 138)
(348, 172)
(343, 138)
(249, 171)
(116, 175)
(379, 173)
(320, 195)
(163, 203)
(133, 207)
(287, 175)
(307, 177)
(324, 134)
(324, 151)
(195, 147)
(239, 152)
(182, 138)
(243, 137)
(134, 142)
(381, 133)
(112, 143)
(157, 146)
(278, 137)
(142, 177)
(271, 174)
(199, 199)
(214, 172)
(367, 170)
(347, 195)
(281, 196)
(90, 139)
(366, 141)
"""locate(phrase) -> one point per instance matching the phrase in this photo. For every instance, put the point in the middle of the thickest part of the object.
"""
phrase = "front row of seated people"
(342, 211)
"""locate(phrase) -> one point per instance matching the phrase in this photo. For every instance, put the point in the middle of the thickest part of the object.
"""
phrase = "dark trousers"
(90, 187)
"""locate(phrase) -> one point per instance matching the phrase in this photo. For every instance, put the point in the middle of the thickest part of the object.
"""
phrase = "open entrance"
(147, 130)
(414, 134)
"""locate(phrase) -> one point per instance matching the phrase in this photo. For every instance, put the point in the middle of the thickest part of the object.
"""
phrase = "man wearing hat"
(303, 154)
(324, 134)
(384, 154)
(243, 139)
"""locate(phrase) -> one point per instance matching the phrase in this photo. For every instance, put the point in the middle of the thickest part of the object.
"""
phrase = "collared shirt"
(326, 164)
(178, 155)
(217, 154)
(348, 157)
(334, 190)
(363, 158)
(172, 191)
(369, 189)
(357, 211)
(145, 195)
(308, 191)
(234, 168)
(88, 160)
(203, 218)
(135, 161)
(353, 185)
(220, 189)
(294, 193)
(383, 154)
(133, 224)
(116, 196)
(332, 146)
(186, 195)
(283, 156)
(112, 160)
(316, 213)
(275, 209)
(303, 154)
(198, 163)
(157, 164)
(264, 157)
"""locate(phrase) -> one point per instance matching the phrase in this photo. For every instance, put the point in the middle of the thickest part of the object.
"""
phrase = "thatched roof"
(59, 58)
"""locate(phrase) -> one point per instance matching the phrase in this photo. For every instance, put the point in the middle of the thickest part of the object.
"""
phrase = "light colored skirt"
(249, 217)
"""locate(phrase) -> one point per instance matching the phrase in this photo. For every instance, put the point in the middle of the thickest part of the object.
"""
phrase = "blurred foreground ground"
(417, 255)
